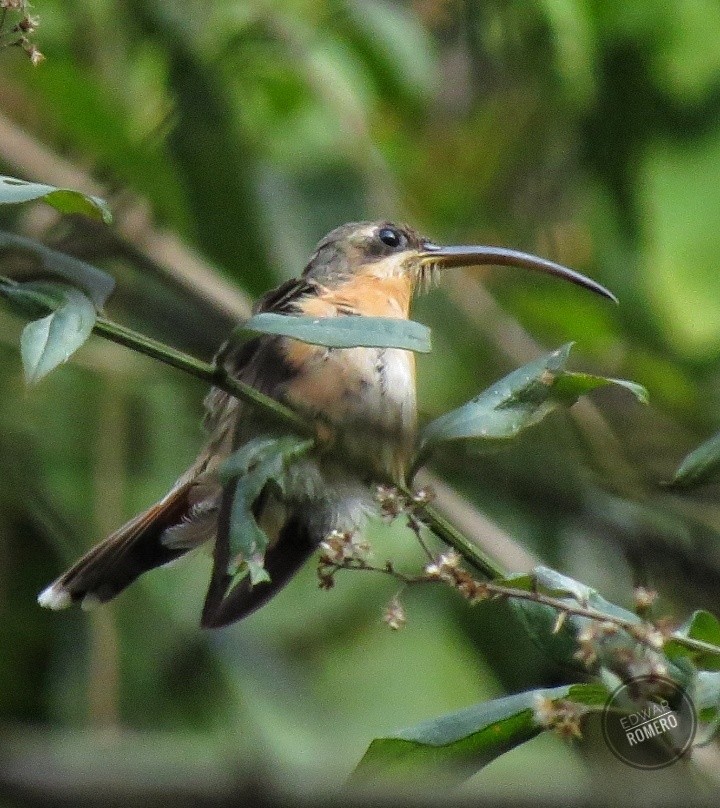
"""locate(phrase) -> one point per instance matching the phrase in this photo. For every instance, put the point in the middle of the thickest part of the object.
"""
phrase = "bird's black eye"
(391, 237)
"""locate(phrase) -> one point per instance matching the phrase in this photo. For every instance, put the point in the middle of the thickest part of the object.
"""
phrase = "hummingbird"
(364, 397)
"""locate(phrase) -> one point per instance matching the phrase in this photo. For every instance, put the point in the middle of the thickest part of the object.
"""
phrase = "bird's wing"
(261, 364)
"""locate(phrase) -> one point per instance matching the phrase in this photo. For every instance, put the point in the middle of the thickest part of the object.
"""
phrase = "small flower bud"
(644, 599)
(649, 635)
(32, 51)
(391, 501)
(326, 580)
(394, 615)
(562, 716)
(423, 496)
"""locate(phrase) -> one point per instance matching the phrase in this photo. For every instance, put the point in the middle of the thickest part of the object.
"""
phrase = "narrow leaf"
(256, 570)
(27, 299)
(246, 538)
(255, 465)
(14, 191)
(96, 284)
(345, 331)
(248, 455)
(464, 741)
(571, 386)
(50, 341)
(559, 642)
(701, 466)
(502, 411)
(517, 402)
(555, 583)
(701, 626)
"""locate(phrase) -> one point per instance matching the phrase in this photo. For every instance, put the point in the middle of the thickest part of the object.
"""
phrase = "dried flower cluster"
(344, 551)
(393, 502)
(17, 27)
(560, 715)
(590, 641)
(447, 568)
(644, 599)
(341, 550)
(629, 652)
(626, 648)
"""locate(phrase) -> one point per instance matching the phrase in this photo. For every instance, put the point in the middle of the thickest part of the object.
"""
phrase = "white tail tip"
(55, 597)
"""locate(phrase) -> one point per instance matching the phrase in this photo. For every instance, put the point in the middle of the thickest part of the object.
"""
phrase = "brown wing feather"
(269, 372)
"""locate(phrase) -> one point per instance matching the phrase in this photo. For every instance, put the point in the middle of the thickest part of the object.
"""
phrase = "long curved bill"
(500, 256)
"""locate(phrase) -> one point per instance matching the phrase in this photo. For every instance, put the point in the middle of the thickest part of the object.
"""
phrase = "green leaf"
(559, 640)
(701, 626)
(256, 464)
(570, 386)
(345, 331)
(14, 192)
(517, 402)
(540, 620)
(464, 741)
(501, 412)
(243, 459)
(555, 583)
(50, 341)
(701, 466)
(256, 570)
(98, 285)
(27, 298)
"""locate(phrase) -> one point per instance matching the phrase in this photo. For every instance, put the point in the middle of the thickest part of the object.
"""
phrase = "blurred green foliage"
(587, 131)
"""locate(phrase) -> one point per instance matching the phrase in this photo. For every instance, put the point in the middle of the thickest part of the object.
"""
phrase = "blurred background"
(228, 137)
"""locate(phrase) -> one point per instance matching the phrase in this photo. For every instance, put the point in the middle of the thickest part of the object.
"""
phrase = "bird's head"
(387, 251)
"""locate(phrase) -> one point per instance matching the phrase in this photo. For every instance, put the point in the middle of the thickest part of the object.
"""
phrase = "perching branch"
(436, 522)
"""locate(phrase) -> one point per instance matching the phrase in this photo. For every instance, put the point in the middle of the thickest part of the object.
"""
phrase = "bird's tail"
(175, 525)
(136, 547)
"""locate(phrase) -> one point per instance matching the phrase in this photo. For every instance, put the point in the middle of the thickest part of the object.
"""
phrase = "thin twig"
(562, 606)
(446, 531)
(415, 526)
(388, 569)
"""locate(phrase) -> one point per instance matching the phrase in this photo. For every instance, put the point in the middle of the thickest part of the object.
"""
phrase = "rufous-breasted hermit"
(364, 395)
